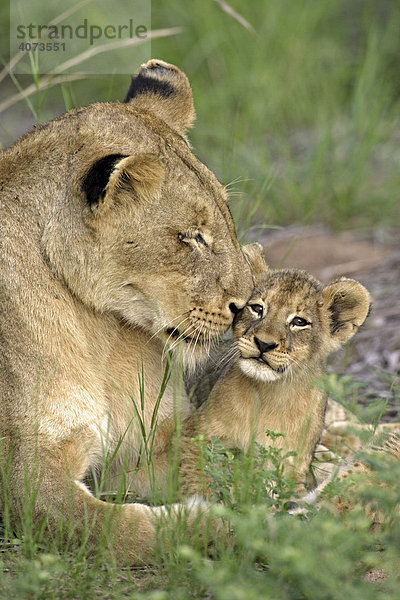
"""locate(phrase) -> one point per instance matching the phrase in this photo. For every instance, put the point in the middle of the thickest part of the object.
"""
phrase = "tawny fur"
(280, 394)
(359, 476)
(90, 290)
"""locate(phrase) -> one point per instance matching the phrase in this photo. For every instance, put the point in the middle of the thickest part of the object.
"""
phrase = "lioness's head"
(292, 321)
(147, 233)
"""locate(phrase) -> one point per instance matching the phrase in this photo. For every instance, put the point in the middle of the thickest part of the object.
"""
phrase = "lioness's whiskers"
(192, 343)
(182, 335)
(229, 185)
(165, 325)
(227, 357)
(197, 339)
(177, 329)
(165, 348)
(209, 342)
(213, 343)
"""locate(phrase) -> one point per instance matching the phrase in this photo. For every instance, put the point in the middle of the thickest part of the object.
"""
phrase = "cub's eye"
(299, 322)
(258, 309)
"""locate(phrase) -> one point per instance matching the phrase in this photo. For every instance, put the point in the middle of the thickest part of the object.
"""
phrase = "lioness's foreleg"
(50, 487)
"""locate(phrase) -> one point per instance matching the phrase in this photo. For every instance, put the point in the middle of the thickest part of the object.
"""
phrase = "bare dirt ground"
(373, 258)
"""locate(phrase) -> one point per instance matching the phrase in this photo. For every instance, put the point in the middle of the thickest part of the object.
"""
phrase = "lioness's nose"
(236, 306)
(264, 346)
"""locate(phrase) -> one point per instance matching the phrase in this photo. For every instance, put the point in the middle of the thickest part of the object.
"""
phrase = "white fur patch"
(257, 370)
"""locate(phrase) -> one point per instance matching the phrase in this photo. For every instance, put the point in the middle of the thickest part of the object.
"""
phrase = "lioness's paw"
(195, 522)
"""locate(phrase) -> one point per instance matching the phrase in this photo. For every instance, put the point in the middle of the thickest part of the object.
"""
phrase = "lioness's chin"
(189, 355)
(189, 347)
(258, 370)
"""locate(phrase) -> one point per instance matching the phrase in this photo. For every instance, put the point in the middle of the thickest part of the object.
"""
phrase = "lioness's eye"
(258, 309)
(200, 239)
(188, 238)
(299, 322)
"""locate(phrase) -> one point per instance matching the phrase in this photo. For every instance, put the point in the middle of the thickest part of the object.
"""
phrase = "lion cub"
(281, 341)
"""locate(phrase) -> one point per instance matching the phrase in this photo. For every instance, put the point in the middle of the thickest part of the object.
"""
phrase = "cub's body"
(282, 338)
(244, 409)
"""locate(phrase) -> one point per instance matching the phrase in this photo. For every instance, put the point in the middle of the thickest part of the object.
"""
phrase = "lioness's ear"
(114, 175)
(164, 90)
(254, 254)
(347, 303)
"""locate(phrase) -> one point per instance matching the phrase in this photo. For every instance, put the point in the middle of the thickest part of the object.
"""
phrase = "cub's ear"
(254, 255)
(165, 91)
(347, 303)
(116, 175)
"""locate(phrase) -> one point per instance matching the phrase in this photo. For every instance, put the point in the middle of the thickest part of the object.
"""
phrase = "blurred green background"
(298, 106)
(299, 115)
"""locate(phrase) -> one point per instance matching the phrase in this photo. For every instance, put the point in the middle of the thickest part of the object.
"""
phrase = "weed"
(301, 104)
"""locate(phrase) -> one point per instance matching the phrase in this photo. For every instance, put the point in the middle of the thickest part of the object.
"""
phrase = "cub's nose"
(264, 346)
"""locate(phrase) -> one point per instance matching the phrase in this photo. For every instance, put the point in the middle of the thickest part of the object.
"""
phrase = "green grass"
(271, 554)
(301, 118)
(307, 106)
(303, 113)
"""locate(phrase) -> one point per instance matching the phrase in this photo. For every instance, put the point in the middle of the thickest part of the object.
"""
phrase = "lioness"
(282, 339)
(113, 238)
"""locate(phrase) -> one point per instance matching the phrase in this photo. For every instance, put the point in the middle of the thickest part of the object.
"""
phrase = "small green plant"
(350, 393)
(219, 469)
(145, 457)
(257, 476)
(306, 111)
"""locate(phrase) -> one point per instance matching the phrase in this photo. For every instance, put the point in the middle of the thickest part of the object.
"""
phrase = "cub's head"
(292, 322)
(152, 238)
